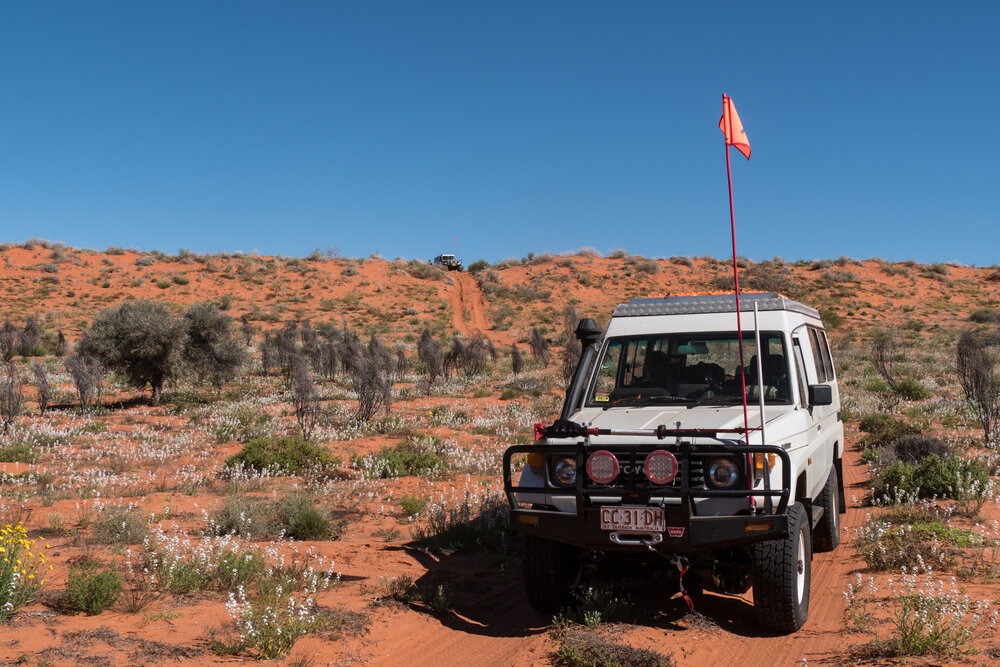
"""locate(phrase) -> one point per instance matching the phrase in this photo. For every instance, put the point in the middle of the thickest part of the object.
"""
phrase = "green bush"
(21, 452)
(910, 389)
(985, 316)
(120, 525)
(302, 519)
(933, 476)
(289, 455)
(412, 505)
(92, 589)
(884, 430)
(248, 517)
(913, 448)
(407, 458)
(478, 265)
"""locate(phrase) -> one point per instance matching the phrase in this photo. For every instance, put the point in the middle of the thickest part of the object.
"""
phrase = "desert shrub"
(985, 316)
(11, 396)
(139, 339)
(301, 518)
(289, 455)
(91, 588)
(430, 354)
(977, 373)
(242, 422)
(371, 379)
(242, 515)
(768, 276)
(87, 372)
(595, 605)
(931, 477)
(10, 341)
(516, 360)
(18, 452)
(580, 647)
(210, 348)
(475, 522)
(884, 430)
(913, 448)
(407, 458)
(478, 265)
(910, 539)
(412, 506)
(539, 346)
(424, 271)
(120, 525)
(43, 389)
(910, 389)
(305, 398)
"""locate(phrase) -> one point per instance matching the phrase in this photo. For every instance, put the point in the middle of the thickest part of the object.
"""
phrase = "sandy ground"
(488, 620)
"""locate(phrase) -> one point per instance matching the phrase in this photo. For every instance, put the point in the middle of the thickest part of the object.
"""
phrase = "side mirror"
(820, 394)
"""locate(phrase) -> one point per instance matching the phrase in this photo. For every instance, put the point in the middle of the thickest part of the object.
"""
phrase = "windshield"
(689, 368)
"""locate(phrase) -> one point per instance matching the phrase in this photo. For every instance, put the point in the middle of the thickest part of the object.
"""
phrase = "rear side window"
(821, 354)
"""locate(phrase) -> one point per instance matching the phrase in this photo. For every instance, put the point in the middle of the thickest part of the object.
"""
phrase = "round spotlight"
(602, 467)
(660, 467)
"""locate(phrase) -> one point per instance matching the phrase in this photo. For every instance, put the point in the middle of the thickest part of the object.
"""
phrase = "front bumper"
(685, 531)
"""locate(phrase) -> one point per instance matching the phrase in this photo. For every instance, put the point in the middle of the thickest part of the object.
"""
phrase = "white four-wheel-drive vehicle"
(660, 459)
(449, 262)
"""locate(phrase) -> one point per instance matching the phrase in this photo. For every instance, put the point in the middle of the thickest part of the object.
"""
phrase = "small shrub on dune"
(302, 519)
(120, 526)
(913, 448)
(932, 477)
(407, 458)
(291, 456)
(884, 430)
(92, 588)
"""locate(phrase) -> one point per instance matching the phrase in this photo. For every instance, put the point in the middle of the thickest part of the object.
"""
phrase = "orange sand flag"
(732, 127)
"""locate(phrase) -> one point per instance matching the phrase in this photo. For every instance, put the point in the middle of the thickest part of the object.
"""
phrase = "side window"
(816, 344)
(800, 370)
(827, 357)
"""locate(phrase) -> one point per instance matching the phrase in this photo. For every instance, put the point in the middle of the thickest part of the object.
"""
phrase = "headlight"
(722, 473)
(564, 470)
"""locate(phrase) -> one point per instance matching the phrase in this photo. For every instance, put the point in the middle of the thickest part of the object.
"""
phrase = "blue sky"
(495, 129)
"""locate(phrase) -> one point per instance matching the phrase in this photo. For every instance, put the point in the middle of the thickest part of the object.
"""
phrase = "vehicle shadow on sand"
(475, 592)
(483, 594)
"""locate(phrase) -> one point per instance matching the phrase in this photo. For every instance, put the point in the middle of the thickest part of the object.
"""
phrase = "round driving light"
(660, 467)
(602, 467)
(723, 473)
(565, 471)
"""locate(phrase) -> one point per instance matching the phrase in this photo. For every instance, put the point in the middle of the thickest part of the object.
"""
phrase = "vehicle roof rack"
(702, 304)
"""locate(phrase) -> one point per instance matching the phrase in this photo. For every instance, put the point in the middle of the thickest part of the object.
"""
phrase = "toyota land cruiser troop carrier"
(660, 459)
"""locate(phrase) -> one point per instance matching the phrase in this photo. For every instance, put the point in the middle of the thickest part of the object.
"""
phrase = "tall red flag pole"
(727, 127)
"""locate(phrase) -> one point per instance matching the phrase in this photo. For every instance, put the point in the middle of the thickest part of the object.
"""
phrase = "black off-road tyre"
(552, 571)
(826, 535)
(782, 572)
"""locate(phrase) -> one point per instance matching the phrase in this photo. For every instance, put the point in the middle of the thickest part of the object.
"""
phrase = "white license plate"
(634, 519)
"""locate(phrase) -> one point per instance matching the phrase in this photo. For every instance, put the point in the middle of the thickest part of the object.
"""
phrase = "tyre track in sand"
(468, 311)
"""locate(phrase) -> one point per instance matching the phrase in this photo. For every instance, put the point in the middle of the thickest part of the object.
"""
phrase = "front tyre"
(782, 572)
(552, 571)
